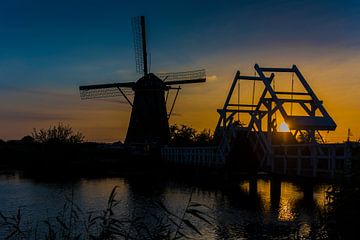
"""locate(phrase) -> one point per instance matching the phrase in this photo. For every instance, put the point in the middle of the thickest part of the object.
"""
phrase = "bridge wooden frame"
(261, 127)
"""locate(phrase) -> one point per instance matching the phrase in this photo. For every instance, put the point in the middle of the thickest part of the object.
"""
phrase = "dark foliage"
(305, 138)
(57, 134)
(27, 139)
(187, 136)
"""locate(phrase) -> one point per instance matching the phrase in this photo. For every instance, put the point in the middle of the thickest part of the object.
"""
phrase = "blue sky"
(48, 48)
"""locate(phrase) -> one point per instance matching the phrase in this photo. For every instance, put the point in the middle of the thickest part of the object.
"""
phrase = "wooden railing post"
(285, 160)
(333, 160)
(298, 157)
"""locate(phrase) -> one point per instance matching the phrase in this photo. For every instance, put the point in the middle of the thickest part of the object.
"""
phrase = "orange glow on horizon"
(107, 121)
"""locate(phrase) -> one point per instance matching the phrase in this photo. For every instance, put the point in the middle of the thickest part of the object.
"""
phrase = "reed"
(72, 223)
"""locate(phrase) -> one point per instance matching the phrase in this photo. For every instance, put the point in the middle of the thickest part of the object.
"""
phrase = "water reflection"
(253, 208)
(285, 209)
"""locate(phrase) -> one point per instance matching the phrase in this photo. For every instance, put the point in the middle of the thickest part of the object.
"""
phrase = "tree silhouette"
(204, 138)
(27, 139)
(188, 136)
(306, 138)
(57, 134)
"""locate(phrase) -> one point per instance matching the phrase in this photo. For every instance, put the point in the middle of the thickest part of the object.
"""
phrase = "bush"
(57, 134)
(28, 139)
(188, 136)
(305, 138)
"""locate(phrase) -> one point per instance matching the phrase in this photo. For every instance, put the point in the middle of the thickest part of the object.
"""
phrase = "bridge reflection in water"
(281, 198)
(272, 209)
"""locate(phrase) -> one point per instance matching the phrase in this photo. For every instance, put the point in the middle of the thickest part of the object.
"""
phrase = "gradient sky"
(49, 48)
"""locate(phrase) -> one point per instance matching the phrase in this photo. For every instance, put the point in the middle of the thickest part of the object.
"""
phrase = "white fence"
(297, 159)
(193, 156)
(311, 159)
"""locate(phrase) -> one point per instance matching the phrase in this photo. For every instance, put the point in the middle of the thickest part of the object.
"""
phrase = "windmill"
(149, 120)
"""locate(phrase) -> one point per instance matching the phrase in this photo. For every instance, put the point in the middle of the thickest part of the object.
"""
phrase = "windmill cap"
(149, 81)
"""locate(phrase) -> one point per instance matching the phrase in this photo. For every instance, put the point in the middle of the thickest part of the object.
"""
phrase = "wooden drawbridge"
(248, 128)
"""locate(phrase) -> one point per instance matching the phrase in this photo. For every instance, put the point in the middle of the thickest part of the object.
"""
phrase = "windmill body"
(149, 120)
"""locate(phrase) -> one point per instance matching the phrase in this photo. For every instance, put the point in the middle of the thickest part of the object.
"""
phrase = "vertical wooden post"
(285, 160)
(314, 159)
(269, 108)
(333, 160)
(347, 157)
(298, 161)
(272, 163)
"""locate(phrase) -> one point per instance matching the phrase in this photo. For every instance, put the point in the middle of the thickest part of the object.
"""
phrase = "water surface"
(246, 209)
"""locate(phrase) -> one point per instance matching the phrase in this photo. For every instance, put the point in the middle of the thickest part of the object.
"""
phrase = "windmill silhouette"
(149, 121)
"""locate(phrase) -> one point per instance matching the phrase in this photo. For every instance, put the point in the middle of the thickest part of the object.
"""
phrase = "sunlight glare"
(284, 127)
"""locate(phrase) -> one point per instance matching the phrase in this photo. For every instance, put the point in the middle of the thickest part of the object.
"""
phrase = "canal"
(257, 208)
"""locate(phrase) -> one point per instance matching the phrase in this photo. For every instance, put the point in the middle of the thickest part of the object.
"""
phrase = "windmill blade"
(106, 93)
(112, 100)
(139, 36)
(200, 80)
(109, 85)
(108, 90)
(175, 78)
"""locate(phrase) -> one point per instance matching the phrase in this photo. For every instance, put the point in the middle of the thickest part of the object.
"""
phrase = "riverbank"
(70, 160)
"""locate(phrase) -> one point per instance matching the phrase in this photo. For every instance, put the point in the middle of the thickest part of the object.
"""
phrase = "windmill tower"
(149, 121)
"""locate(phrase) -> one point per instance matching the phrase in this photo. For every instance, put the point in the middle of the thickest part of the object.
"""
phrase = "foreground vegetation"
(73, 223)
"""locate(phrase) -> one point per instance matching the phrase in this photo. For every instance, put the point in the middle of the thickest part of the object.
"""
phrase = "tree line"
(180, 135)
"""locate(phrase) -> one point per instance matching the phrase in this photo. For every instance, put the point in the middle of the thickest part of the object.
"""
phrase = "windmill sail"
(107, 90)
(139, 36)
(104, 93)
(174, 78)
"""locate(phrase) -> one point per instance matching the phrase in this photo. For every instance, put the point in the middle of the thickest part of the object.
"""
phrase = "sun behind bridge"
(284, 127)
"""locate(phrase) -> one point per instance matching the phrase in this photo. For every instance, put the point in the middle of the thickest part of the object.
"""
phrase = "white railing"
(316, 158)
(193, 156)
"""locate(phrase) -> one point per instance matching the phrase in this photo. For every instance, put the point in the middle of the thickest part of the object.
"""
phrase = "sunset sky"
(49, 48)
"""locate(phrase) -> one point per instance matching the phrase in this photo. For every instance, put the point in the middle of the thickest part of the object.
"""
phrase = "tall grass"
(72, 223)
